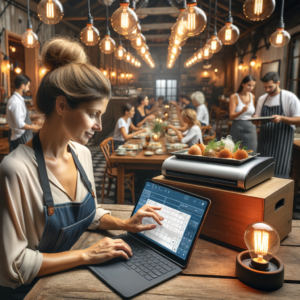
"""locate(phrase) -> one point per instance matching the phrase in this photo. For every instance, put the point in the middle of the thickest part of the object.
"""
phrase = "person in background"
(193, 134)
(160, 101)
(241, 108)
(198, 100)
(124, 124)
(17, 114)
(276, 137)
(140, 116)
(181, 103)
(151, 107)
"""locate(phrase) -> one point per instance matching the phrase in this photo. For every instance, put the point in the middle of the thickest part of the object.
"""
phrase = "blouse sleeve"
(189, 136)
(19, 264)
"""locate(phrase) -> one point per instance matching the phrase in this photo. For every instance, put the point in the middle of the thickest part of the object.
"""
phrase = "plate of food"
(223, 151)
(149, 153)
(154, 145)
(131, 146)
(159, 151)
(139, 135)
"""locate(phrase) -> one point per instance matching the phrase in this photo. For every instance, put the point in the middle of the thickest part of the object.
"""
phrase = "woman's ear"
(61, 104)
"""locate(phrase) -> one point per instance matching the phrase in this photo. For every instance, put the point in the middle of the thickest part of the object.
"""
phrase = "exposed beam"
(158, 11)
(84, 18)
(95, 5)
(80, 4)
(157, 26)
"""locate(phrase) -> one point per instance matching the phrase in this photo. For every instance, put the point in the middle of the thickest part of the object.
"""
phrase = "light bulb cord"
(120, 43)
(107, 29)
(90, 18)
(29, 25)
(209, 13)
(229, 18)
(215, 29)
(281, 22)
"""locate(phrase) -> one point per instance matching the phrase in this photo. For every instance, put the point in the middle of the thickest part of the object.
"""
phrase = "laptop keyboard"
(147, 263)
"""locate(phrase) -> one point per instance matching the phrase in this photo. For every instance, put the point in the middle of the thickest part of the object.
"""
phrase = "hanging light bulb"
(29, 38)
(229, 33)
(207, 53)
(105, 72)
(132, 35)
(280, 37)
(132, 60)
(6, 60)
(143, 50)
(214, 42)
(107, 44)
(50, 11)
(253, 61)
(258, 10)
(89, 35)
(124, 20)
(193, 18)
(120, 52)
(241, 65)
(17, 69)
(139, 41)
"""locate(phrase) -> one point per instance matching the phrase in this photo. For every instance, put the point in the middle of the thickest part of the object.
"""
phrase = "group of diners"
(192, 114)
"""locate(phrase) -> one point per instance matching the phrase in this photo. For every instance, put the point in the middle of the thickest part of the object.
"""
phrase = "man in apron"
(17, 115)
(276, 137)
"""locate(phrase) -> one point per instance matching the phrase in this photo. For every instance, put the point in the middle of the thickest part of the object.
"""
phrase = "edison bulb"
(193, 20)
(229, 34)
(252, 62)
(107, 45)
(143, 50)
(280, 38)
(89, 35)
(179, 30)
(17, 69)
(29, 39)
(207, 54)
(139, 41)
(215, 44)
(50, 11)
(132, 60)
(128, 57)
(120, 52)
(132, 35)
(240, 67)
(105, 73)
(258, 10)
(200, 55)
(124, 20)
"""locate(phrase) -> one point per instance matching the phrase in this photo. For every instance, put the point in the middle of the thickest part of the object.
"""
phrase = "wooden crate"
(232, 210)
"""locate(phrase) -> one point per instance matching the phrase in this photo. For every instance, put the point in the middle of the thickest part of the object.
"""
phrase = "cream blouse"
(22, 218)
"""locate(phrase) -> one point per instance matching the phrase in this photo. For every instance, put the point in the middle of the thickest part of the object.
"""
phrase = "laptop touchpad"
(111, 270)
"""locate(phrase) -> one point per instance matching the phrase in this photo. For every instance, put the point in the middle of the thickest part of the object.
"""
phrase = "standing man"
(17, 114)
(276, 137)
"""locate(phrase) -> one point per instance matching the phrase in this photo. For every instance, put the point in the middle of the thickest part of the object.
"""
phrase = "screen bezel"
(181, 262)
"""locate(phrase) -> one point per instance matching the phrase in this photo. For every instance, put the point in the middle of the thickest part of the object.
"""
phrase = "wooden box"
(233, 210)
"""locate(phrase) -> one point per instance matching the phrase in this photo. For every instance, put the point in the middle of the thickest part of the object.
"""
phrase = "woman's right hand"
(105, 250)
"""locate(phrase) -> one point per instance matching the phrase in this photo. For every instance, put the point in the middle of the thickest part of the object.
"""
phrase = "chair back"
(107, 150)
(205, 129)
(207, 139)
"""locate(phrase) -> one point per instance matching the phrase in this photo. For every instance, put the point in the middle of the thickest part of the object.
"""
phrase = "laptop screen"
(182, 214)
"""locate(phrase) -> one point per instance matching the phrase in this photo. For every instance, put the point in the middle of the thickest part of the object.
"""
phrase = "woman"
(198, 100)
(140, 116)
(47, 185)
(121, 133)
(242, 107)
(193, 134)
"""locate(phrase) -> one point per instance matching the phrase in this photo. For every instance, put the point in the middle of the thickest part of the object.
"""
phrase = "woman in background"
(242, 107)
(198, 100)
(193, 134)
(140, 116)
(121, 133)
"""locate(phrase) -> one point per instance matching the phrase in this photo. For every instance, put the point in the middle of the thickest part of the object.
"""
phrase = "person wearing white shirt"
(124, 124)
(193, 135)
(198, 100)
(17, 115)
(276, 137)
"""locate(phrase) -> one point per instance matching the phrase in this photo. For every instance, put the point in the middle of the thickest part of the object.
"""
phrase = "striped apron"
(276, 140)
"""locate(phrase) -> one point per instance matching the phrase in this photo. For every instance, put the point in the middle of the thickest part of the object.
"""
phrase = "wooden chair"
(210, 137)
(111, 171)
(213, 111)
(205, 130)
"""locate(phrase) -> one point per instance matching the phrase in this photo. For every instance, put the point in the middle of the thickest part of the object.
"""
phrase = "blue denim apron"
(64, 223)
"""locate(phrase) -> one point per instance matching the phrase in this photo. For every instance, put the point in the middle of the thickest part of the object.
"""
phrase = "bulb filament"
(30, 39)
(120, 53)
(228, 34)
(258, 7)
(261, 244)
(199, 55)
(138, 41)
(90, 35)
(206, 52)
(124, 19)
(214, 45)
(107, 45)
(191, 20)
(50, 10)
(279, 38)
(143, 50)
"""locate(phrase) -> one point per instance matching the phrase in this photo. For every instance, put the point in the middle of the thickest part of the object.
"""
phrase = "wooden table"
(296, 165)
(210, 274)
(139, 162)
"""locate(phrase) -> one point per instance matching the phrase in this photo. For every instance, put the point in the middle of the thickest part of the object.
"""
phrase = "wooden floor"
(210, 274)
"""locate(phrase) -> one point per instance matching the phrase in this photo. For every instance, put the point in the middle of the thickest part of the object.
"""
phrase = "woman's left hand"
(134, 224)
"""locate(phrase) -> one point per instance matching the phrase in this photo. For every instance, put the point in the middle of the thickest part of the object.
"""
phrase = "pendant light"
(89, 35)
(143, 50)
(253, 61)
(17, 69)
(139, 41)
(280, 37)
(50, 11)
(229, 33)
(29, 38)
(214, 42)
(6, 60)
(107, 44)
(193, 18)
(124, 20)
(207, 54)
(120, 52)
(241, 64)
(258, 10)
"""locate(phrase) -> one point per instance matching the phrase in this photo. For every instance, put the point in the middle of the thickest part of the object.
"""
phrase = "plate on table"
(149, 153)
(159, 151)
(120, 153)
(130, 147)
(261, 119)
(179, 146)
(171, 132)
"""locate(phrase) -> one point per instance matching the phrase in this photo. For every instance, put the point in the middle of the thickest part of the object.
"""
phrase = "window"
(167, 88)
(293, 83)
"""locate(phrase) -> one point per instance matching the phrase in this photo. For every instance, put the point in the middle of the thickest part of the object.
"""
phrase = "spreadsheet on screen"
(182, 214)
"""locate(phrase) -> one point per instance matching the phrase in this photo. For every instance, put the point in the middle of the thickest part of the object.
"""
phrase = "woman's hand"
(134, 224)
(105, 250)
(170, 126)
(245, 108)
(150, 117)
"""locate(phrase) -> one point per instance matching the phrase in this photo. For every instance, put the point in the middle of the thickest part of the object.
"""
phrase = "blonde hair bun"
(62, 51)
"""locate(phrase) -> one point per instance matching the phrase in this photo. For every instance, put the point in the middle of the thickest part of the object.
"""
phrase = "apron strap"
(82, 173)
(38, 150)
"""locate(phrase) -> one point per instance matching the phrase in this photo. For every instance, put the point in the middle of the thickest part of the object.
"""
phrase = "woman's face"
(145, 101)
(249, 86)
(82, 122)
(130, 113)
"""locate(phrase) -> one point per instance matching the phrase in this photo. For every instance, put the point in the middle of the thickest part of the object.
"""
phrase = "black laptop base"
(144, 270)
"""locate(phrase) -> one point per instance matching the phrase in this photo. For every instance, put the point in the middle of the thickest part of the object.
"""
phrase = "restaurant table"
(296, 165)
(210, 274)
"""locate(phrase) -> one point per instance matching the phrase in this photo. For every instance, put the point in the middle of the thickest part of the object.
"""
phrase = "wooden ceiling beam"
(80, 4)
(84, 18)
(157, 11)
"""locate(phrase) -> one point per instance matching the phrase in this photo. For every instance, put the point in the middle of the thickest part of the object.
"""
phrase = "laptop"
(161, 253)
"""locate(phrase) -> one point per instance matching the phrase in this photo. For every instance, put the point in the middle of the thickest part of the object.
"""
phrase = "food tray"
(183, 155)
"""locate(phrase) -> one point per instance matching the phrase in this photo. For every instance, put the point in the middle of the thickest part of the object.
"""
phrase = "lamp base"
(261, 280)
